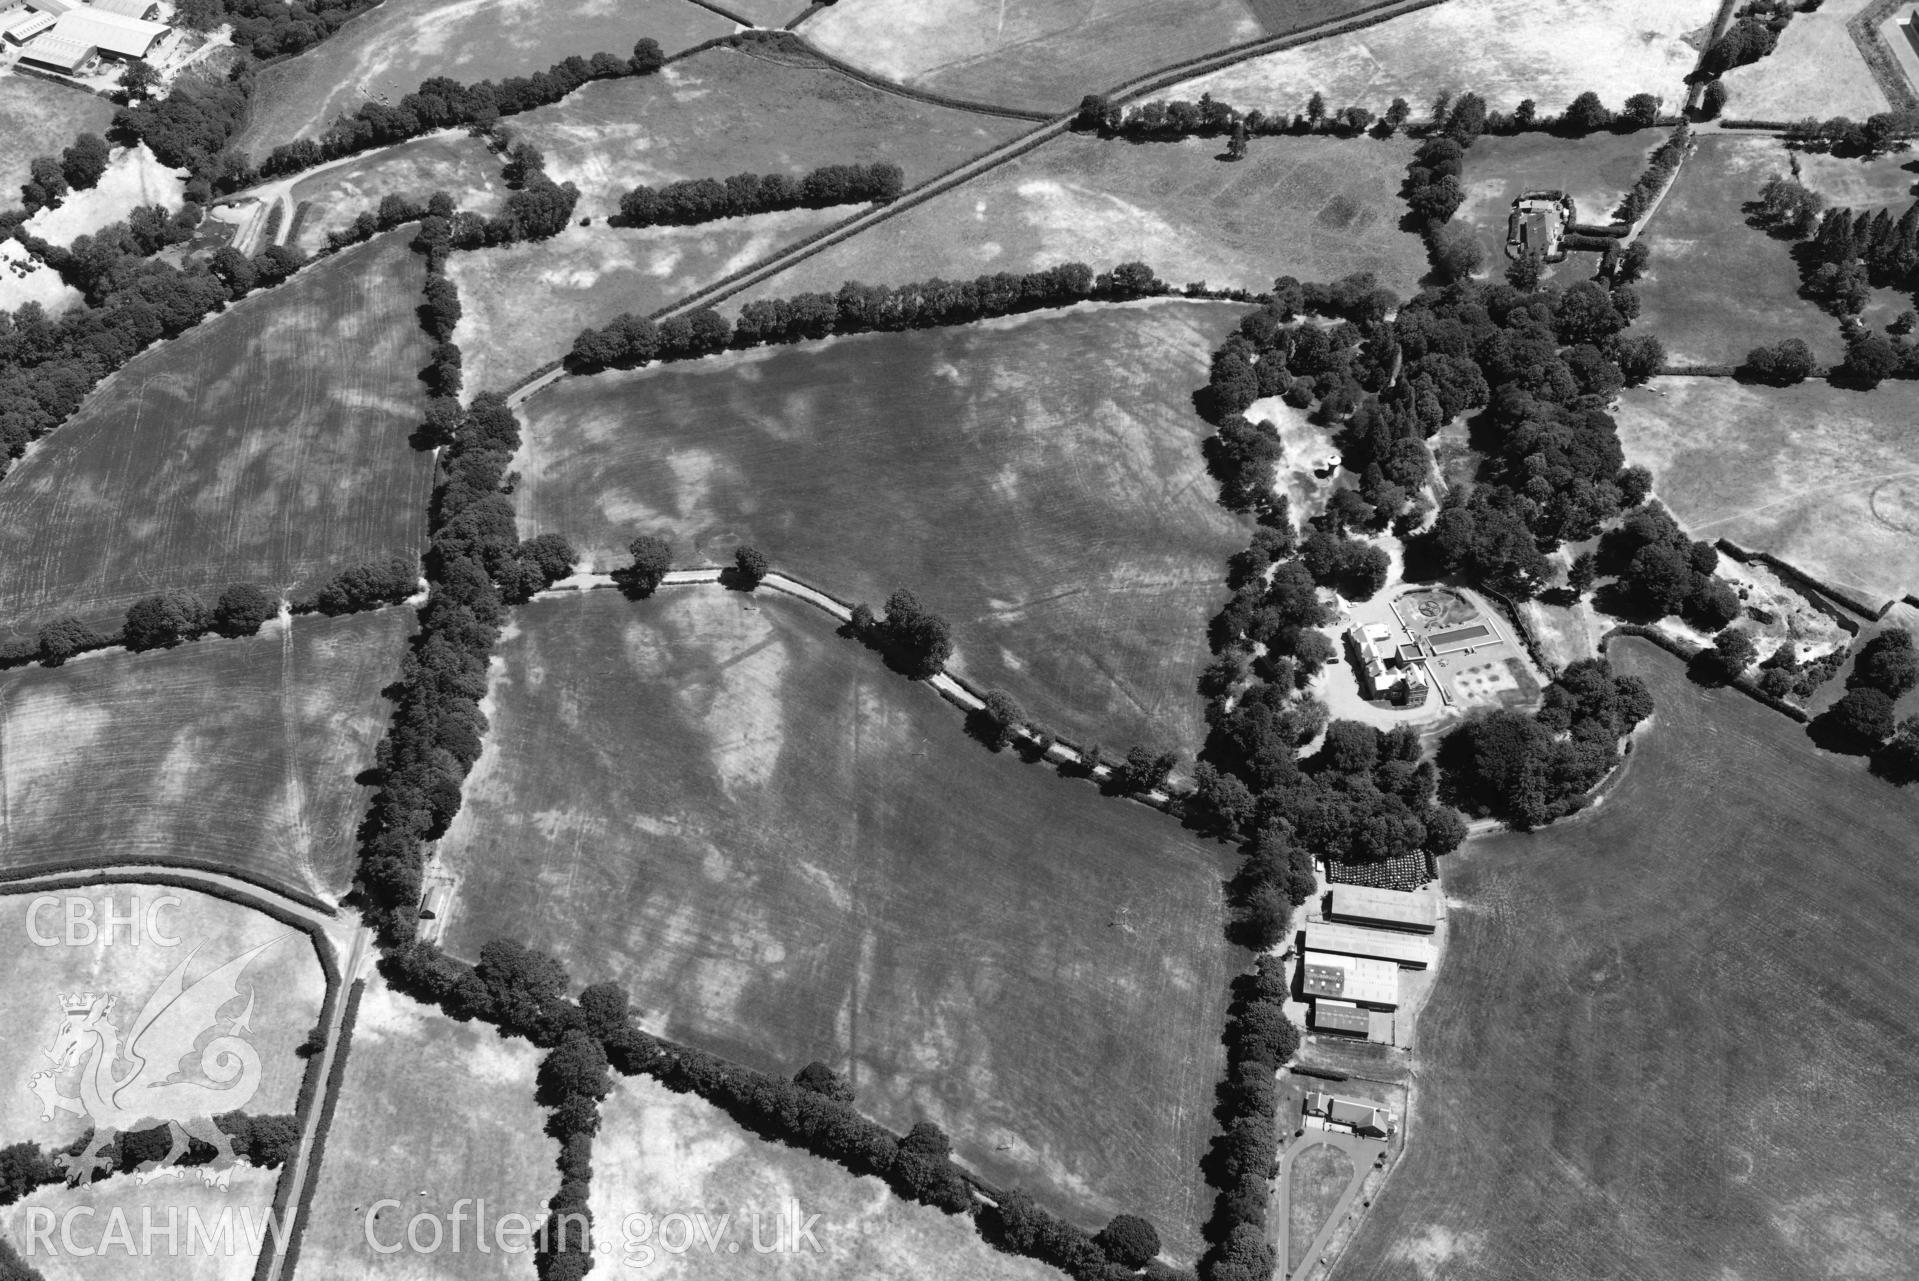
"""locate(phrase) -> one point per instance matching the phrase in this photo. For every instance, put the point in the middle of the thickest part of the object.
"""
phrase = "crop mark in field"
(1895, 504)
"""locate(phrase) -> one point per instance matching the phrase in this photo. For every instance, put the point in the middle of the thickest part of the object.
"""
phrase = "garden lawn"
(286, 983)
(1821, 477)
(1597, 170)
(1047, 54)
(1716, 286)
(657, 1150)
(454, 162)
(1038, 482)
(1314, 208)
(432, 1113)
(1316, 1181)
(236, 754)
(41, 118)
(267, 444)
(1502, 50)
(788, 852)
(725, 112)
(1673, 1037)
(1816, 70)
(386, 52)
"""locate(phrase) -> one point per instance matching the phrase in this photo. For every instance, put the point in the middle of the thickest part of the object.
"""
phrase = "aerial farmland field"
(657, 1149)
(456, 163)
(1816, 70)
(386, 52)
(229, 753)
(431, 1112)
(1820, 476)
(1716, 286)
(267, 445)
(1038, 481)
(1502, 50)
(1314, 208)
(1666, 1032)
(97, 1256)
(804, 856)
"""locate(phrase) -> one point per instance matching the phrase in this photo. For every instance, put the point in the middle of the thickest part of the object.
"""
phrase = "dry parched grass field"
(286, 982)
(40, 118)
(268, 445)
(1717, 287)
(110, 1257)
(1502, 50)
(238, 753)
(788, 852)
(1037, 481)
(1822, 477)
(431, 1112)
(1314, 208)
(1816, 70)
(457, 163)
(1047, 54)
(1674, 1037)
(658, 1151)
(386, 52)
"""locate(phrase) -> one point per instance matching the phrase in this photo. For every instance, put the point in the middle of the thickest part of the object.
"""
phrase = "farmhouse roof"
(1395, 909)
(112, 33)
(1408, 950)
(1360, 1116)
(1352, 978)
(53, 50)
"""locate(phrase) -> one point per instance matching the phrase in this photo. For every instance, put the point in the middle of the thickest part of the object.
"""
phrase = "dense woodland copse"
(697, 200)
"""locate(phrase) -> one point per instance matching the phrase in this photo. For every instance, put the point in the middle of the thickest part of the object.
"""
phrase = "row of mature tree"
(78, 168)
(697, 200)
(1754, 34)
(1660, 168)
(266, 1141)
(1244, 1156)
(630, 342)
(1659, 571)
(1864, 720)
(444, 103)
(101, 264)
(1844, 136)
(271, 28)
(573, 1079)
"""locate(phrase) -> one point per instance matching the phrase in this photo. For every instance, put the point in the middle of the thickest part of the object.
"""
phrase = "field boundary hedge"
(1686, 652)
(1829, 600)
(1863, 27)
(68, 872)
(871, 81)
(336, 1076)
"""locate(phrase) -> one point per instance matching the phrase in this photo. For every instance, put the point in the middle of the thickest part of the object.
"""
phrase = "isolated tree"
(1859, 721)
(1397, 114)
(652, 558)
(1887, 662)
(1236, 143)
(1580, 577)
(1316, 109)
(998, 722)
(1129, 1240)
(749, 566)
(1145, 770)
(83, 163)
(242, 610)
(1525, 115)
(647, 57)
(919, 639)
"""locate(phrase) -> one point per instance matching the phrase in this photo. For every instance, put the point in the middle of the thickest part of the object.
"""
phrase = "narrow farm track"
(960, 693)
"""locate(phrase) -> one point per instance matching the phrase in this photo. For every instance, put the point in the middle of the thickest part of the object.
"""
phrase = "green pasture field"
(1314, 208)
(523, 305)
(1048, 54)
(1316, 1181)
(1673, 1036)
(1889, 181)
(1597, 170)
(726, 112)
(268, 444)
(387, 51)
(1503, 50)
(236, 753)
(1816, 70)
(457, 163)
(286, 982)
(431, 1112)
(1716, 286)
(40, 118)
(1038, 482)
(788, 852)
(248, 1197)
(657, 1150)
(1820, 476)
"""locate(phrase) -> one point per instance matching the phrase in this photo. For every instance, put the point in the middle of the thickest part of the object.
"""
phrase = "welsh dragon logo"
(157, 1070)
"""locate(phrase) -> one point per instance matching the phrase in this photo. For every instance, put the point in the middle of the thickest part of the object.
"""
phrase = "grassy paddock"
(788, 852)
(268, 444)
(238, 753)
(1821, 477)
(1316, 1181)
(431, 1112)
(1315, 208)
(727, 112)
(1716, 287)
(657, 1149)
(1043, 55)
(1889, 181)
(387, 51)
(40, 118)
(1815, 71)
(1037, 481)
(1503, 50)
(458, 164)
(285, 980)
(1674, 1036)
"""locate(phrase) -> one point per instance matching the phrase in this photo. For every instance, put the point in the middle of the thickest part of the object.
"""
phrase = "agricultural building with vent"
(145, 10)
(1342, 1017)
(1407, 950)
(57, 53)
(22, 25)
(1384, 909)
(1355, 979)
(113, 35)
(53, 7)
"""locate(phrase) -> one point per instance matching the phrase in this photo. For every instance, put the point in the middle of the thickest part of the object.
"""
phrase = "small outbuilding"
(1384, 909)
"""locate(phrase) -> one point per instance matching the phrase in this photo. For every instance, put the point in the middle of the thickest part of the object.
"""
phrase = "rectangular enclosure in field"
(235, 753)
(266, 445)
(1038, 481)
(788, 852)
